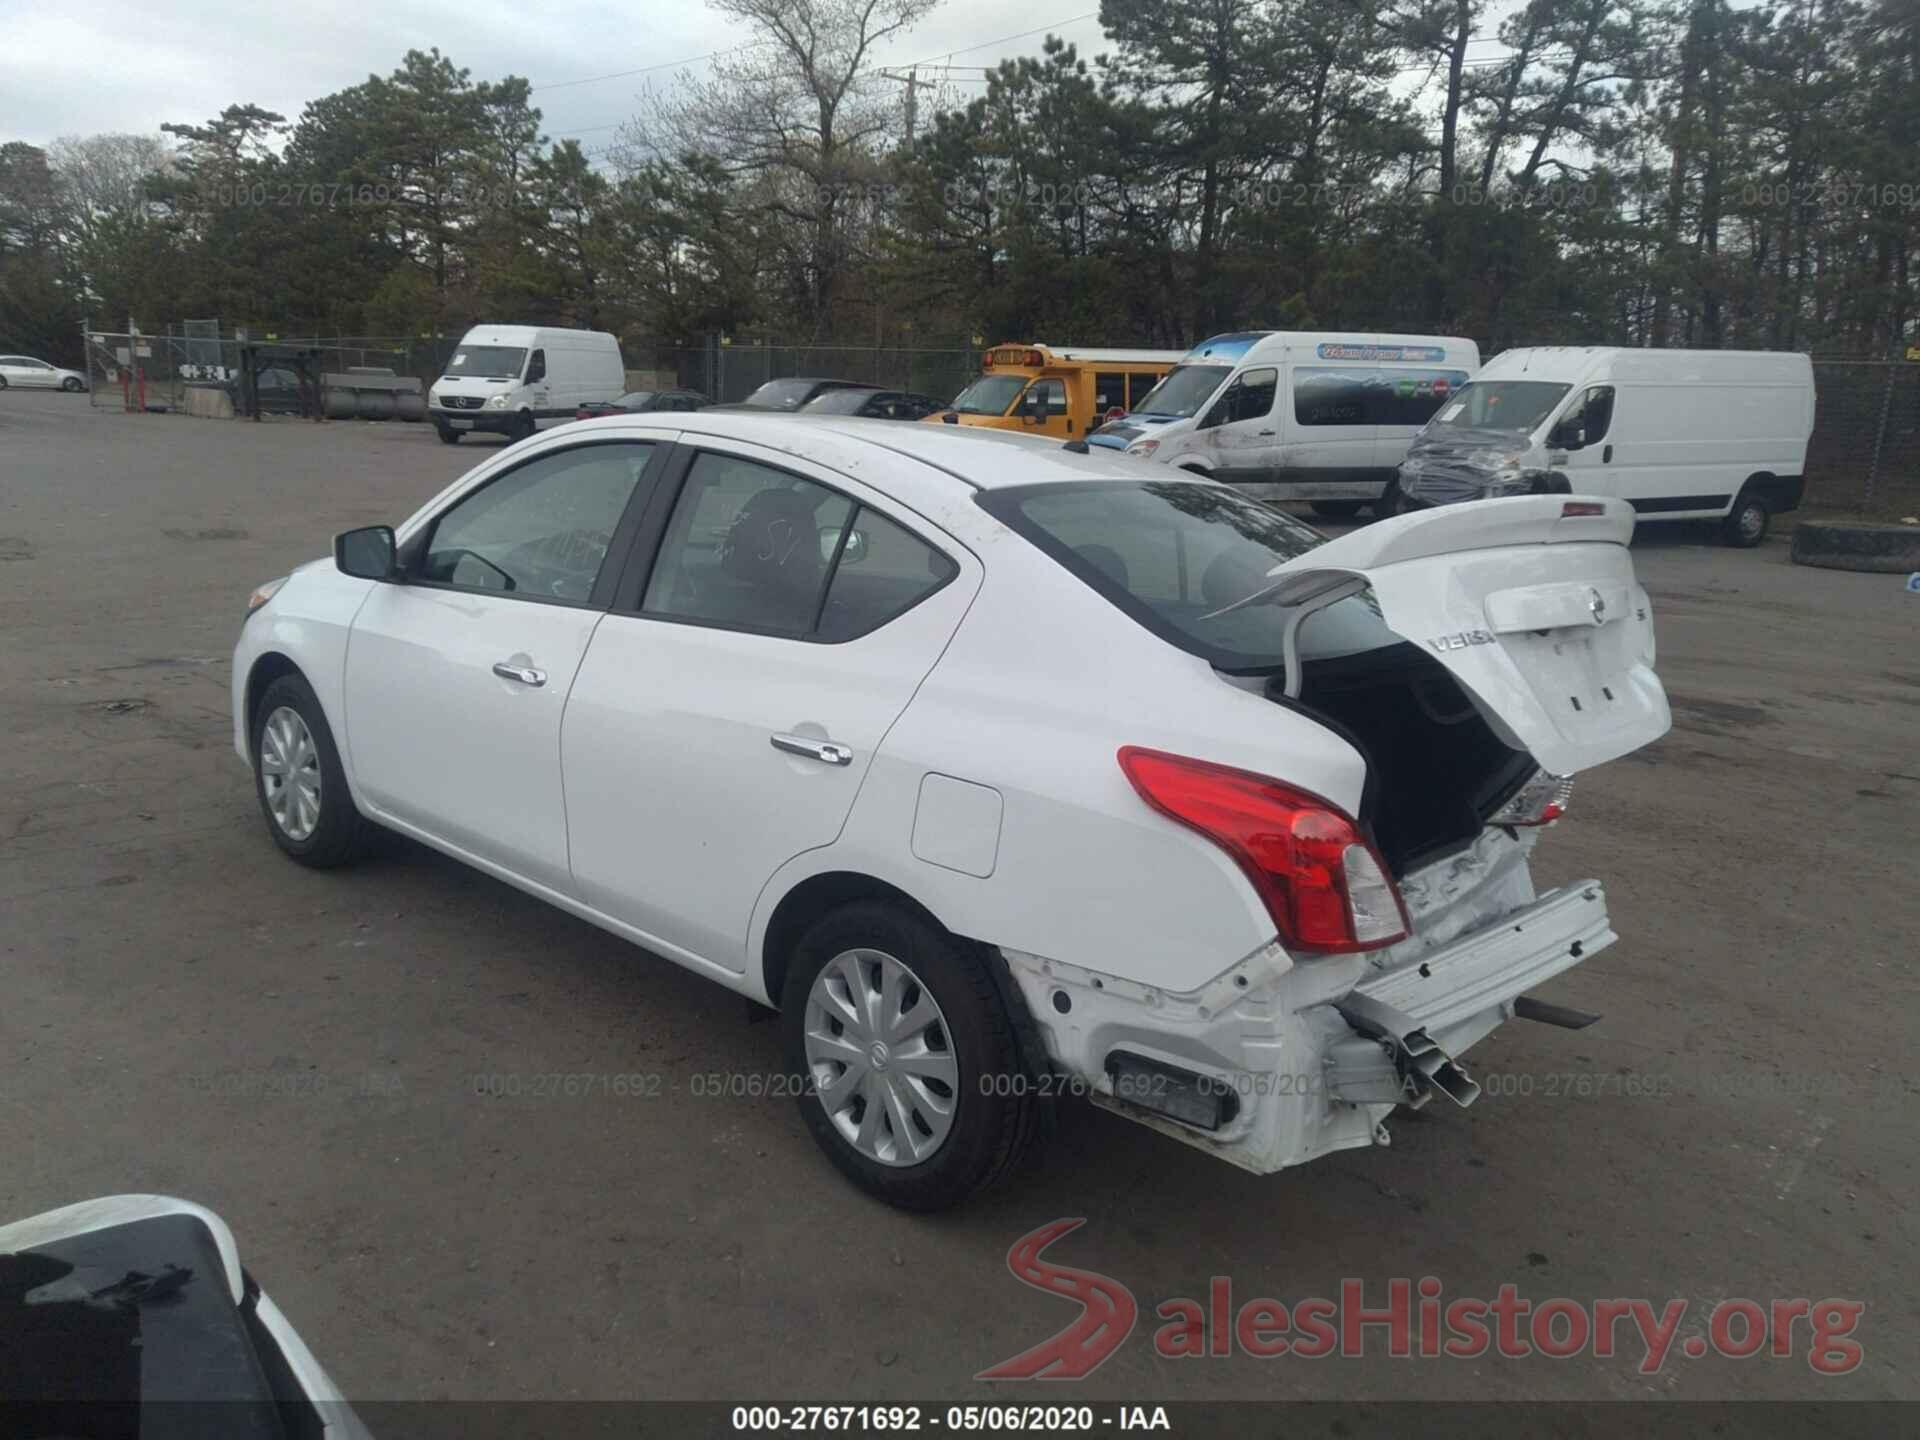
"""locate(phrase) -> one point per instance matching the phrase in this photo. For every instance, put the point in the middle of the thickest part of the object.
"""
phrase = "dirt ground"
(187, 1012)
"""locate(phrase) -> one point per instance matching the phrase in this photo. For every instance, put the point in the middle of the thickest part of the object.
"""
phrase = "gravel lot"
(187, 1012)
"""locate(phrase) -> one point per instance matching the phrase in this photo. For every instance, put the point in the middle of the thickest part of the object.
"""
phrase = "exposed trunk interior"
(1436, 769)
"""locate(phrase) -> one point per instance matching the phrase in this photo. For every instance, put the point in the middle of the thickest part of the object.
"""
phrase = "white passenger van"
(1324, 417)
(1679, 434)
(511, 379)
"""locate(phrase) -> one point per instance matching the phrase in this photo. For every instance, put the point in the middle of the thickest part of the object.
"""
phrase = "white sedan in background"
(996, 766)
(25, 371)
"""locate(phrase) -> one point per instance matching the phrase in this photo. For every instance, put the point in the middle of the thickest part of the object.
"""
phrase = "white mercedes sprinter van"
(511, 379)
(1324, 417)
(1679, 434)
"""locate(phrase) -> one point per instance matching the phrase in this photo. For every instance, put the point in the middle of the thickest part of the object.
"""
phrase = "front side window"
(1250, 397)
(490, 362)
(749, 547)
(1174, 553)
(1514, 406)
(1598, 414)
(541, 530)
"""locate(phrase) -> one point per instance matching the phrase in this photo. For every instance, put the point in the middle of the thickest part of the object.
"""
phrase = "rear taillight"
(1541, 801)
(1321, 880)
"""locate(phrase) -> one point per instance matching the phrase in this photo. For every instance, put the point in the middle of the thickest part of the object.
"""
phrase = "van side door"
(1330, 433)
(1586, 427)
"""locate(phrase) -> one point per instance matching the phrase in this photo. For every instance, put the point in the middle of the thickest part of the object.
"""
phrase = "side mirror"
(855, 552)
(366, 554)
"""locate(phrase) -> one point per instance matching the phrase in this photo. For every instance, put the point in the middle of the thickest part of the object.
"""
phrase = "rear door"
(730, 705)
(1531, 603)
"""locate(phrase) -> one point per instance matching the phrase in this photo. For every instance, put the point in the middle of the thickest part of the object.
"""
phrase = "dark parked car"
(790, 395)
(280, 393)
(636, 402)
(874, 404)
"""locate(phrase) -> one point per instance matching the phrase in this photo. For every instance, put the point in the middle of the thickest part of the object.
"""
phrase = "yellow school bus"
(1064, 391)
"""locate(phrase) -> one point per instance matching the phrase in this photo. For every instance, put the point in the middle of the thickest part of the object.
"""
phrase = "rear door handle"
(525, 674)
(822, 750)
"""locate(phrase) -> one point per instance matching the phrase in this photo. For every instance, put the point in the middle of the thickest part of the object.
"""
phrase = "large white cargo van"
(512, 379)
(1324, 417)
(1679, 434)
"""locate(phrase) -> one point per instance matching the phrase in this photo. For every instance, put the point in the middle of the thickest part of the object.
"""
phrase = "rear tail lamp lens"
(1541, 801)
(1324, 885)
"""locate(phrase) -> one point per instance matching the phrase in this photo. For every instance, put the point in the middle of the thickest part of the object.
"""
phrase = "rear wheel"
(1336, 509)
(1746, 524)
(914, 1079)
(447, 437)
(297, 775)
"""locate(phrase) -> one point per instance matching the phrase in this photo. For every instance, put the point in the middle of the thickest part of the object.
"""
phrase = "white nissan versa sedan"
(996, 767)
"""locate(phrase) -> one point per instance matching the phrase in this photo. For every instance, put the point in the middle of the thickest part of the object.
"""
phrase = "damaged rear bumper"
(1314, 1054)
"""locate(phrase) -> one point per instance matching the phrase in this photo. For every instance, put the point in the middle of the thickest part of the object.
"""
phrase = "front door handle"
(525, 674)
(823, 750)
(1606, 456)
(1269, 432)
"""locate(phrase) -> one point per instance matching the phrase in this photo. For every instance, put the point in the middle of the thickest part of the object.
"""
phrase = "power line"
(645, 69)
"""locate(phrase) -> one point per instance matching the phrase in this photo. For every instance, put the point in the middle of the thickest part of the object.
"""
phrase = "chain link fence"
(1865, 453)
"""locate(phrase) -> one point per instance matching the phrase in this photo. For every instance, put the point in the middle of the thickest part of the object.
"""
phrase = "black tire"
(3, 382)
(340, 834)
(1336, 509)
(71, 385)
(522, 428)
(447, 437)
(1747, 522)
(1391, 501)
(990, 1130)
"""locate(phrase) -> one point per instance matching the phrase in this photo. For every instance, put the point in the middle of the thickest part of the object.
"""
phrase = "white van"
(511, 379)
(1679, 434)
(1324, 417)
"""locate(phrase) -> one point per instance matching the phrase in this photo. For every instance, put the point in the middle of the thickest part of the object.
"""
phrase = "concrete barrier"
(208, 403)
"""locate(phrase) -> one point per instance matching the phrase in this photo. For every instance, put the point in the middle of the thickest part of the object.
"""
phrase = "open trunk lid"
(1530, 602)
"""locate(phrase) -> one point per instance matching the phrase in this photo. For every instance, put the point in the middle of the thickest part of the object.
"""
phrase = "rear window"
(1173, 553)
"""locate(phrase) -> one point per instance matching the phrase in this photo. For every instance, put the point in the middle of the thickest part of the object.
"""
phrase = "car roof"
(978, 456)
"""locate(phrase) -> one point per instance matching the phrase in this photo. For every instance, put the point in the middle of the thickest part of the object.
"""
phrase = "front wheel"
(1746, 524)
(1336, 509)
(522, 428)
(447, 437)
(914, 1083)
(1391, 501)
(299, 780)
(71, 385)
(3, 382)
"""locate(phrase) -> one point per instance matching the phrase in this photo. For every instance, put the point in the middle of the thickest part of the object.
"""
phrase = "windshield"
(782, 394)
(839, 402)
(1173, 553)
(1184, 391)
(1512, 405)
(492, 362)
(990, 395)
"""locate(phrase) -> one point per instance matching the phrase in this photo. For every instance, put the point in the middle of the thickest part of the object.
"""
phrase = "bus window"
(1109, 393)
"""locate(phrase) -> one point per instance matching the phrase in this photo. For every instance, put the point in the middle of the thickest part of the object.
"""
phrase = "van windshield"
(491, 362)
(1184, 391)
(1512, 405)
(990, 395)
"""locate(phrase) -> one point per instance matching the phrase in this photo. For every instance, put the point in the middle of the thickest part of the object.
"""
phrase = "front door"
(1240, 433)
(727, 714)
(456, 680)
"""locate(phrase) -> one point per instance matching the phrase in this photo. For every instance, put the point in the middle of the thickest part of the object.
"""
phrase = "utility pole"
(912, 81)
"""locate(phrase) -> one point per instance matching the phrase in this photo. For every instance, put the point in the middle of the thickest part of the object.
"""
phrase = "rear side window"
(1172, 554)
(1139, 387)
(749, 547)
(1355, 395)
(1109, 392)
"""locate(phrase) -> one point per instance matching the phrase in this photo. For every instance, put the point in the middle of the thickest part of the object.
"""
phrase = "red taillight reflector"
(1324, 885)
(1581, 507)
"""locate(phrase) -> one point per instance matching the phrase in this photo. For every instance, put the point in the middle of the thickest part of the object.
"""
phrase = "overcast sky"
(80, 68)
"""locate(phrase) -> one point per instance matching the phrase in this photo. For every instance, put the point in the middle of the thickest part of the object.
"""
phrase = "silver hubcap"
(1751, 519)
(881, 1058)
(290, 773)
